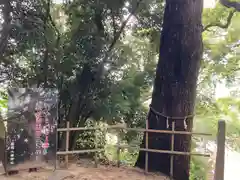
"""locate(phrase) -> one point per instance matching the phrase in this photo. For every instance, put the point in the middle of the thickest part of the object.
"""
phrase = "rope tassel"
(185, 123)
(167, 123)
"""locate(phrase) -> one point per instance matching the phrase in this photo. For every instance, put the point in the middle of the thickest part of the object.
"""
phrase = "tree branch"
(231, 4)
(114, 23)
(236, 45)
(44, 64)
(51, 21)
(100, 67)
(47, 18)
(6, 27)
(218, 24)
(116, 37)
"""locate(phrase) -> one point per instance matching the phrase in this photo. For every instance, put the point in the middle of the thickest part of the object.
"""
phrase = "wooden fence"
(220, 148)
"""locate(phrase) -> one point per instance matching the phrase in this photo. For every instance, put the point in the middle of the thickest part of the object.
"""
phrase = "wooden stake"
(219, 167)
(67, 144)
(146, 145)
(96, 146)
(118, 150)
(172, 149)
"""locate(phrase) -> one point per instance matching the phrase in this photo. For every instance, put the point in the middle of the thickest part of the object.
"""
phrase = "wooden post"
(219, 167)
(67, 143)
(118, 150)
(146, 144)
(96, 146)
(56, 149)
(172, 149)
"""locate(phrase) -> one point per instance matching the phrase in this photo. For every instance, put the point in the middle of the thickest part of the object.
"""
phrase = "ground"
(86, 172)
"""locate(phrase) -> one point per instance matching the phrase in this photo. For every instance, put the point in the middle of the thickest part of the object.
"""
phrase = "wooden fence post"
(118, 149)
(96, 146)
(219, 167)
(67, 143)
(172, 149)
(146, 145)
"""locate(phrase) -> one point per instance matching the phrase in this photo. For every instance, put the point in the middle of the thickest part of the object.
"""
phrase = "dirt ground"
(79, 172)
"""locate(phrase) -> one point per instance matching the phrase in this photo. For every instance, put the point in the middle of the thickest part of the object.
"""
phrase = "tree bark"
(231, 4)
(175, 85)
(6, 26)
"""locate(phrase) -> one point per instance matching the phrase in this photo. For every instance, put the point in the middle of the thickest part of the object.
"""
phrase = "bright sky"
(209, 3)
(221, 90)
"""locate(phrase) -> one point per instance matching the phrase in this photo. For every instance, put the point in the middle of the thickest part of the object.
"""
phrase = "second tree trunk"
(175, 85)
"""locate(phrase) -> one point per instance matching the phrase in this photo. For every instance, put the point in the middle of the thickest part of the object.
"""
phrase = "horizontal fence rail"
(134, 129)
(79, 151)
(162, 151)
(133, 147)
(171, 152)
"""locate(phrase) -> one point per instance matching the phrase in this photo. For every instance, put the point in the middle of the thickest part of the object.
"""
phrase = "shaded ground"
(87, 172)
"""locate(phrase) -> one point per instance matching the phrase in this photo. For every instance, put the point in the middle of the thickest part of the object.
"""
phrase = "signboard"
(31, 128)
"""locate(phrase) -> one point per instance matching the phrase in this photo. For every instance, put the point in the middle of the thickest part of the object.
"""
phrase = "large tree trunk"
(175, 84)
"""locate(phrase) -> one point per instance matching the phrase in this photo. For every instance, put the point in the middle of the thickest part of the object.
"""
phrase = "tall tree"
(175, 85)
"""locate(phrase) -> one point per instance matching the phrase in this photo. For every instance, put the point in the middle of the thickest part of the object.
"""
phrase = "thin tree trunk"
(2, 153)
(6, 26)
(175, 84)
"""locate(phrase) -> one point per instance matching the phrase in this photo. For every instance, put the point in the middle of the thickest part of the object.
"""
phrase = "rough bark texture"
(2, 151)
(6, 26)
(175, 84)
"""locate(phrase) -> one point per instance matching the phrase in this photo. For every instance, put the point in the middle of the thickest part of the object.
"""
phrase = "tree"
(170, 106)
(175, 84)
(3, 106)
(89, 65)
